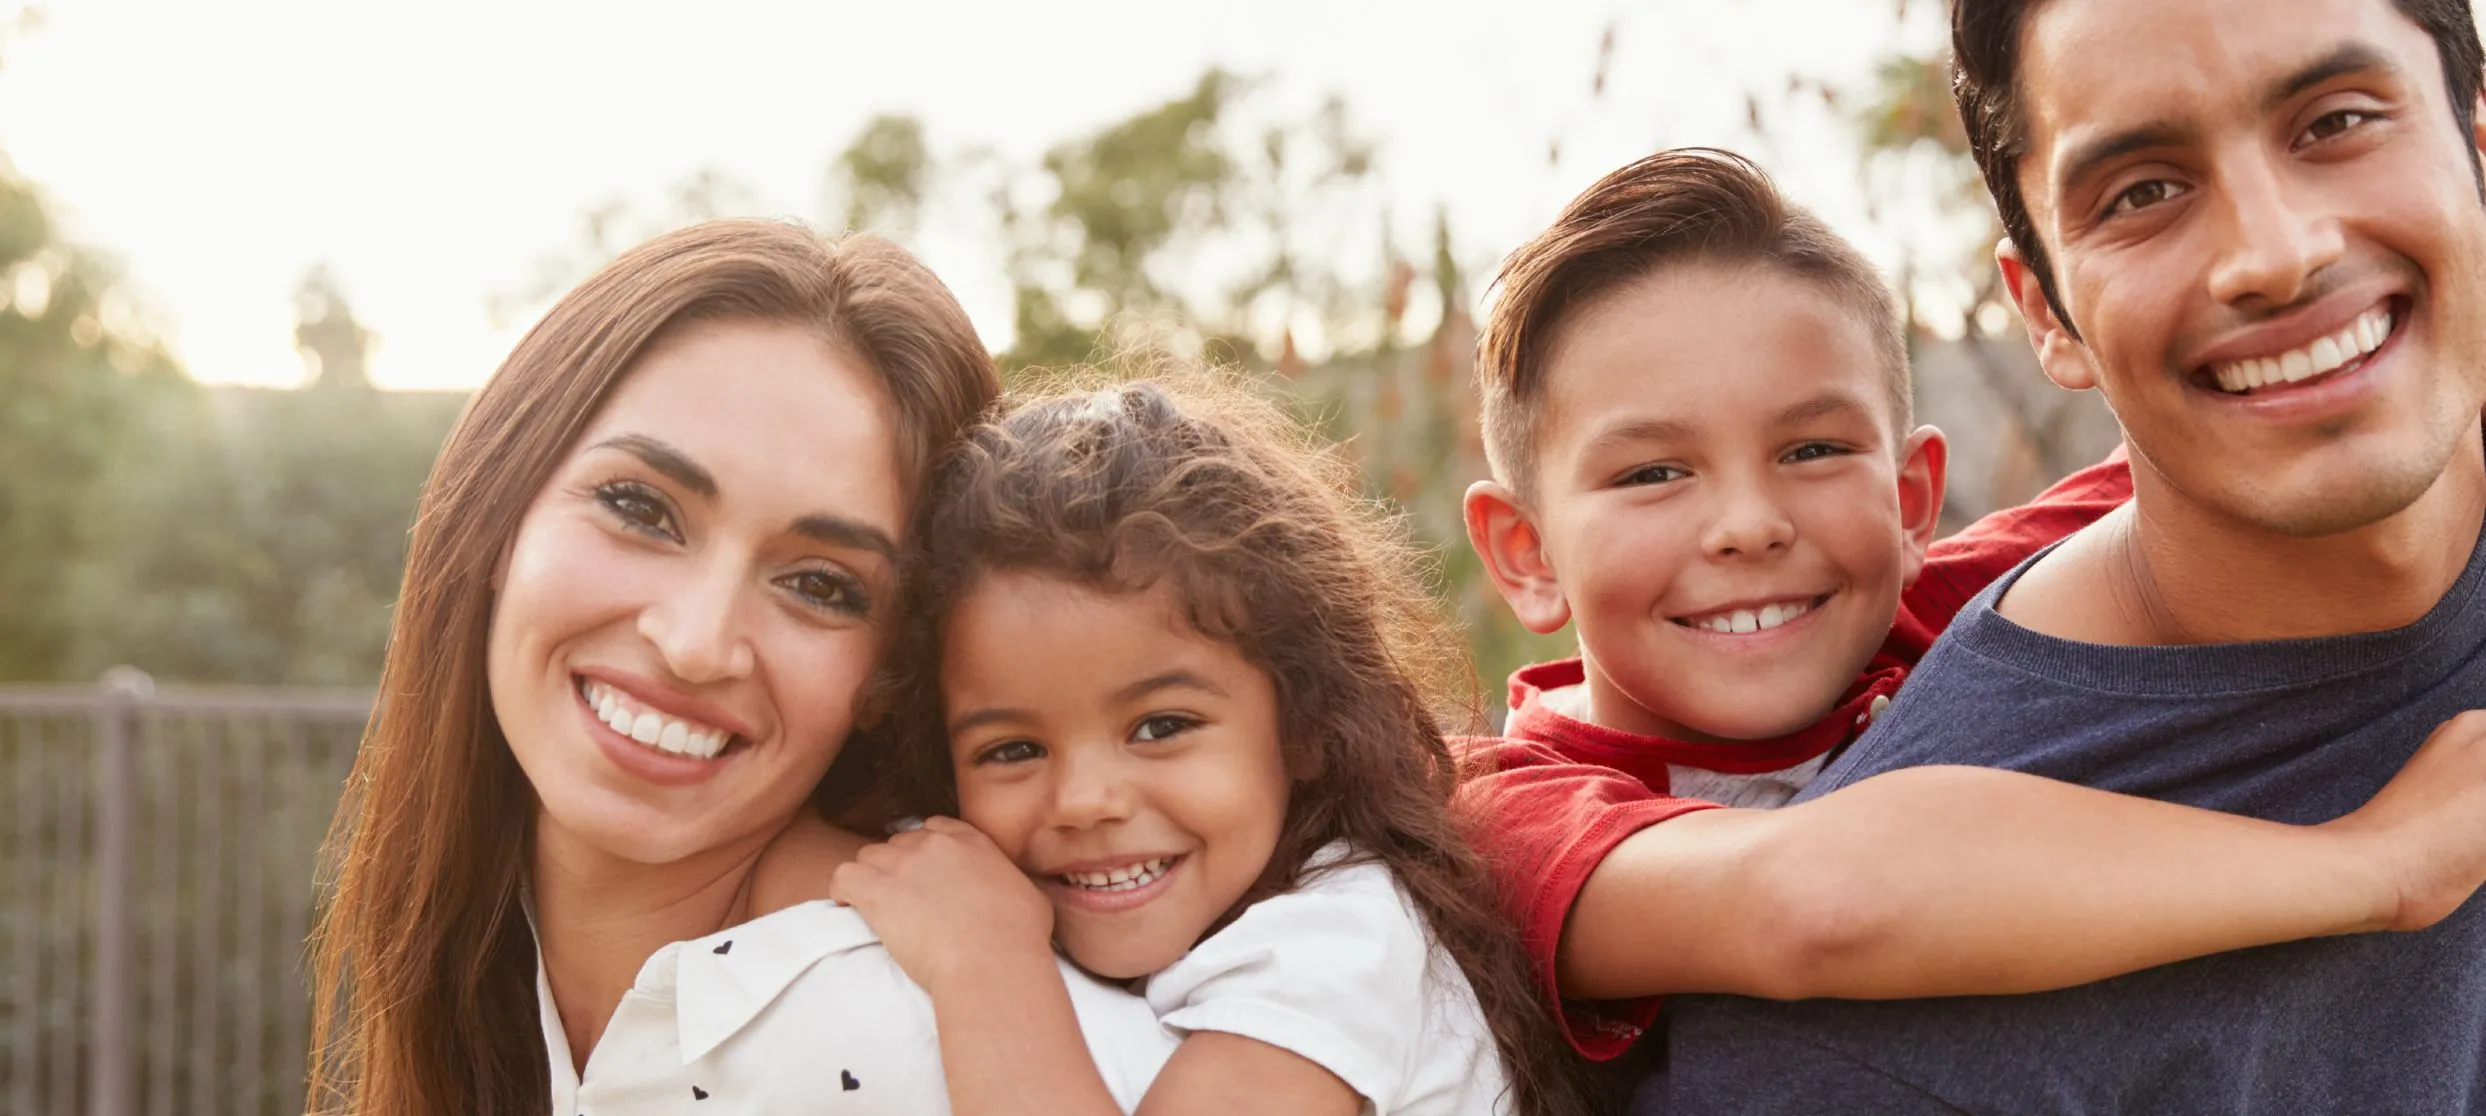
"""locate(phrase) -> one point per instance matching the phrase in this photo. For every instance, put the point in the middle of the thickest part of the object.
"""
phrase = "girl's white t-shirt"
(801, 1010)
(1343, 972)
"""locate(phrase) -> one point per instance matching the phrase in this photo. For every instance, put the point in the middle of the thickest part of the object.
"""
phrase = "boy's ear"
(1514, 557)
(1923, 473)
(2062, 356)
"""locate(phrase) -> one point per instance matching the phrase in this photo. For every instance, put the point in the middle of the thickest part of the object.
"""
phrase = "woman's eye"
(1162, 726)
(1654, 474)
(1010, 751)
(828, 591)
(2142, 195)
(1815, 451)
(639, 508)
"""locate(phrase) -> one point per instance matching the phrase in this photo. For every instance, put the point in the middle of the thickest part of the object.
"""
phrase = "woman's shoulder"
(796, 867)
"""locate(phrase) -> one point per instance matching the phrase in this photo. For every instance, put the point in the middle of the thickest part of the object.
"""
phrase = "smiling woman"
(652, 571)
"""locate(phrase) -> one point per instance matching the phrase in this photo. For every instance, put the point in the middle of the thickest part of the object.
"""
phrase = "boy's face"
(1719, 504)
(2226, 190)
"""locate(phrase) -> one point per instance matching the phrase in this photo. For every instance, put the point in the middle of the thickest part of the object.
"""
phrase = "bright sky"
(431, 153)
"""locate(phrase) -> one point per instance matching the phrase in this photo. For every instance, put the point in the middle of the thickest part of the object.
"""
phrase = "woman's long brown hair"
(1259, 531)
(423, 968)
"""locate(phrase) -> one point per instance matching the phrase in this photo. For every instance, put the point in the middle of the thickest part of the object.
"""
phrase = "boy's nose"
(1748, 524)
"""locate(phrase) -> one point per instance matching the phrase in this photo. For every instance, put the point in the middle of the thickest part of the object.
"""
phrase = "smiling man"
(2256, 226)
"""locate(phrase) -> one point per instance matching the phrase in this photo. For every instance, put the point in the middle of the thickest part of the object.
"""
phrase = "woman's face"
(692, 604)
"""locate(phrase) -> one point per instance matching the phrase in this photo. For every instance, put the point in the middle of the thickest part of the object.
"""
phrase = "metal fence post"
(112, 1080)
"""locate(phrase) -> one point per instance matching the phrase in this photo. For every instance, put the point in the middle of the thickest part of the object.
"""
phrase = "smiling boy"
(1698, 408)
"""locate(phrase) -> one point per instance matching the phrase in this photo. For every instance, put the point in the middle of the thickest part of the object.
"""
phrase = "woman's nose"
(698, 630)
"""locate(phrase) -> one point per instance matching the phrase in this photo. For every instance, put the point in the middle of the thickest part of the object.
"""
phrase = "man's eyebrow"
(2346, 58)
(664, 459)
(2086, 160)
(1172, 679)
(837, 530)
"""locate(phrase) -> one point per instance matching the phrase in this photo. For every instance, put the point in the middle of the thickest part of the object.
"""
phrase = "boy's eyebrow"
(1828, 404)
(1642, 430)
(664, 459)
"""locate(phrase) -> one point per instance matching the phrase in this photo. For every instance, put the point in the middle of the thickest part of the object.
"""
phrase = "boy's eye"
(828, 591)
(1653, 474)
(1162, 726)
(639, 507)
(1815, 451)
(1010, 751)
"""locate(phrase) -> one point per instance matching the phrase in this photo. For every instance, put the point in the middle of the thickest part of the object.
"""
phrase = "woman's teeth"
(2322, 357)
(663, 733)
(1744, 621)
(1121, 879)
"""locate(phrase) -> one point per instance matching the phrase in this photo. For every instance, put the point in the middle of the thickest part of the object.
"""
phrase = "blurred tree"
(883, 176)
(335, 346)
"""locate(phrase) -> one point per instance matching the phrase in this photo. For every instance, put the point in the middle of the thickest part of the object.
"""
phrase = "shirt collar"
(723, 981)
(1646, 757)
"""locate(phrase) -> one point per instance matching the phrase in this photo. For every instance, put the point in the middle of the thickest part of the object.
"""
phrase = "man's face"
(2265, 224)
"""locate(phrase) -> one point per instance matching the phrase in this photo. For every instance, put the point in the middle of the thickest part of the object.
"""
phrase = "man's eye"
(2142, 195)
(1654, 474)
(1162, 726)
(1010, 751)
(2332, 124)
(639, 508)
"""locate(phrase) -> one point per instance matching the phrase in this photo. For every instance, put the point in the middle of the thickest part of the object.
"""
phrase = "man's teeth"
(668, 734)
(1121, 879)
(2363, 336)
(1744, 621)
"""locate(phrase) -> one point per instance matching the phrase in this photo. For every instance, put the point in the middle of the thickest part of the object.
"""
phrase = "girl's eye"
(829, 591)
(639, 507)
(1653, 474)
(1815, 451)
(1162, 726)
(1010, 751)
(2142, 195)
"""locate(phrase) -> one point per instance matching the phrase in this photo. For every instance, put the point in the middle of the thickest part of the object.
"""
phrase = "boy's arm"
(1959, 567)
(1545, 822)
(1942, 881)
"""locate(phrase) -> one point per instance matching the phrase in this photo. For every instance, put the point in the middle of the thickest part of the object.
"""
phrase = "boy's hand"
(2428, 825)
(947, 904)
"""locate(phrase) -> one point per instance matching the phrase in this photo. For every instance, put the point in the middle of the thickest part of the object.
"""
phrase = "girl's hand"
(948, 905)
(2427, 826)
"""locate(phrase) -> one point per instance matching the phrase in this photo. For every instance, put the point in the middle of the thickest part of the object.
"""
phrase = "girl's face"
(691, 605)
(1129, 764)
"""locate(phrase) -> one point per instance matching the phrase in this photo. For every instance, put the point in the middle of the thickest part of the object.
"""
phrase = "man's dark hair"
(1985, 64)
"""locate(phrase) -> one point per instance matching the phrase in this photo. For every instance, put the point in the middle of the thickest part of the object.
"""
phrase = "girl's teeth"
(1120, 879)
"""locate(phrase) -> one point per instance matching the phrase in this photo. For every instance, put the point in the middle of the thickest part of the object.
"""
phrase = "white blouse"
(1344, 973)
(801, 1010)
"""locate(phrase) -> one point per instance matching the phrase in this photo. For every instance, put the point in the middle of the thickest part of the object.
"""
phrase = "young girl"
(1188, 688)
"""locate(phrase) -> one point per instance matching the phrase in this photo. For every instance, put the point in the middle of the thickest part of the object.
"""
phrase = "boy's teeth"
(2324, 356)
(663, 733)
(1124, 878)
(1744, 621)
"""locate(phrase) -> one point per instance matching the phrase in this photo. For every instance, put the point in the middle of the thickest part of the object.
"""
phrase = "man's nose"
(2279, 237)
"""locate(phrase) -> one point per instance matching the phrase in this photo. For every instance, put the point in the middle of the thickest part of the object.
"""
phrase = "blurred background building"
(1318, 193)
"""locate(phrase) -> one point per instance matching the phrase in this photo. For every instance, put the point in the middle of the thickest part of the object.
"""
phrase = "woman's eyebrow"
(837, 530)
(664, 459)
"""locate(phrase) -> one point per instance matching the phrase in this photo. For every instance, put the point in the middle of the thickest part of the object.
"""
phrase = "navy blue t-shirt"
(2297, 731)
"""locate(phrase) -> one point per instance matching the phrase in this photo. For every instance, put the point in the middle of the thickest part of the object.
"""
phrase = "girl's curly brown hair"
(1259, 528)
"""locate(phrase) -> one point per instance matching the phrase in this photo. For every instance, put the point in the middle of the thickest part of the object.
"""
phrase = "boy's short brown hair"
(1689, 205)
